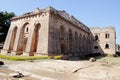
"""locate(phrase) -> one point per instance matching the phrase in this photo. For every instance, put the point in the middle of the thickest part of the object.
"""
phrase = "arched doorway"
(35, 38)
(62, 39)
(23, 39)
(87, 45)
(80, 43)
(12, 39)
(84, 43)
(76, 42)
(70, 40)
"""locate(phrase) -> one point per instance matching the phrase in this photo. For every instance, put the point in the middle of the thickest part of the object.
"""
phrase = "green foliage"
(57, 57)
(4, 24)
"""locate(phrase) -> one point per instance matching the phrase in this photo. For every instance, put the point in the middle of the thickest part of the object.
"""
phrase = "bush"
(55, 57)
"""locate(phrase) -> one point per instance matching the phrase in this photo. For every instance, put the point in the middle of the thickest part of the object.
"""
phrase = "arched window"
(27, 29)
(76, 41)
(70, 39)
(96, 47)
(107, 46)
(62, 32)
(87, 46)
(80, 42)
(84, 43)
(107, 35)
(62, 39)
(96, 37)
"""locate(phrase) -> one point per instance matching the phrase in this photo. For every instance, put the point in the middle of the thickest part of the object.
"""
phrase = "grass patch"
(57, 57)
(24, 58)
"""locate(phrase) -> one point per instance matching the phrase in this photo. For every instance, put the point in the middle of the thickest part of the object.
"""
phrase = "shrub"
(57, 57)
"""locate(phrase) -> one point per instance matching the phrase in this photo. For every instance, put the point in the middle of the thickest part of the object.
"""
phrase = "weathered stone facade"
(117, 48)
(103, 40)
(51, 32)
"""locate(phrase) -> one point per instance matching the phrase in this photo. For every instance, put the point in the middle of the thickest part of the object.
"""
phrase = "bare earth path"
(102, 69)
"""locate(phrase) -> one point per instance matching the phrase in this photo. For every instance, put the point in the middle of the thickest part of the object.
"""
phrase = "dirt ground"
(103, 69)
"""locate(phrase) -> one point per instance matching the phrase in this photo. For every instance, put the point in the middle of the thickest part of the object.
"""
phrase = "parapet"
(62, 13)
(109, 28)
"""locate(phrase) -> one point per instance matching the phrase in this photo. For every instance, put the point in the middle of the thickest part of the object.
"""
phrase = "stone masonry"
(103, 40)
(52, 32)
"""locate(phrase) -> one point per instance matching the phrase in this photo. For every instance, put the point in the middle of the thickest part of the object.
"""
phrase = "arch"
(107, 46)
(27, 29)
(76, 41)
(96, 37)
(22, 39)
(35, 38)
(70, 40)
(80, 43)
(107, 35)
(14, 31)
(62, 32)
(84, 43)
(62, 39)
(87, 45)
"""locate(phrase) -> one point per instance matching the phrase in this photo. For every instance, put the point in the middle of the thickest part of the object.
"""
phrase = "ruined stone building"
(117, 48)
(103, 40)
(52, 32)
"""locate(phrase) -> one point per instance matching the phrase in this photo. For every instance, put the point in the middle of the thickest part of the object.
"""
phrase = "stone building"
(52, 32)
(117, 48)
(103, 40)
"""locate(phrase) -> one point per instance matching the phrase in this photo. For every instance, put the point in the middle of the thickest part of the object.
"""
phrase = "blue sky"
(101, 13)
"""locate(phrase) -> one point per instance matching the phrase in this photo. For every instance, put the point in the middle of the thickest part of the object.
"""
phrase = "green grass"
(57, 57)
(24, 58)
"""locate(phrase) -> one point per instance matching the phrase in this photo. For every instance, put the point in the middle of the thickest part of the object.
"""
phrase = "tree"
(4, 24)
